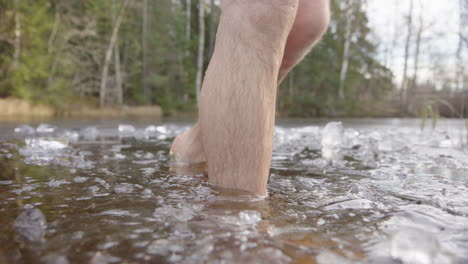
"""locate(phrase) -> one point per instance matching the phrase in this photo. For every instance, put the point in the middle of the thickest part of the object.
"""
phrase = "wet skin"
(258, 43)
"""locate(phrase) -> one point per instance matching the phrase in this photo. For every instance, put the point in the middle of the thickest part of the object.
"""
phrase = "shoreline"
(12, 109)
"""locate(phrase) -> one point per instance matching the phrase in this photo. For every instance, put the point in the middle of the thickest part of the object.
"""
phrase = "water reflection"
(358, 194)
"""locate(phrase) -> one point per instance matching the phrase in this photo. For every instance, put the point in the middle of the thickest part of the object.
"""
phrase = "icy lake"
(360, 191)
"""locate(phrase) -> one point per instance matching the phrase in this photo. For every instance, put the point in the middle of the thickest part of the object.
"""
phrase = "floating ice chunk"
(40, 151)
(31, 224)
(147, 193)
(117, 212)
(156, 129)
(71, 136)
(148, 156)
(124, 188)
(100, 258)
(145, 162)
(90, 133)
(108, 245)
(332, 141)
(94, 189)
(447, 143)
(6, 182)
(118, 148)
(25, 129)
(45, 128)
(119, 156)
(57, 183)
(364, 148)
(151, 130)
(350, 135)
(249, 217)
(182, 213)
(332, 134)
(80, 179)
(328, 257)
(164, 247)
(126, 130)
(321, 222)
(54, 259)
(416, 246)
(102, 182)
(148, 171)
(45, 144)
(351, 204)
(273, 255)
(140, 134)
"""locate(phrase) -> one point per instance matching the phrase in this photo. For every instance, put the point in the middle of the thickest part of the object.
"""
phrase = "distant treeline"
(140, 52)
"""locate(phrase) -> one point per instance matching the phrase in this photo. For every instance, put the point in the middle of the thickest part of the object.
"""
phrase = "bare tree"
(201, 48)
(347, 44)
(411, 89)
(464, 21)
(51, 47)
(110, 48)
(144, 42)
(459, 55)
(118, 73)
(188, 23)
(396, 33)
(17, 41)
(409, 24)
(50, 43)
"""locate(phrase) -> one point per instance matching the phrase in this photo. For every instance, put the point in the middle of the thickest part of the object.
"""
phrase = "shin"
(237, 107)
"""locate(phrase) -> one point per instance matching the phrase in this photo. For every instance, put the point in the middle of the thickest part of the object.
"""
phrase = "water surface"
(377, 191)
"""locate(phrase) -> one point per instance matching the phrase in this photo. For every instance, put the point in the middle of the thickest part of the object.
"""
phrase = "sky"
(440, 39)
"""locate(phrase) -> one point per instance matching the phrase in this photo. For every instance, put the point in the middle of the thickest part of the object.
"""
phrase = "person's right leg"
(237, 106)
(310, 23)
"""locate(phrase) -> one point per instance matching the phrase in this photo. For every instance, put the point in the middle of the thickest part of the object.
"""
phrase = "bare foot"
(187, 148)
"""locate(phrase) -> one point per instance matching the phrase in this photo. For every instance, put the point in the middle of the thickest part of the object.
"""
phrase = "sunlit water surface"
(377, 191)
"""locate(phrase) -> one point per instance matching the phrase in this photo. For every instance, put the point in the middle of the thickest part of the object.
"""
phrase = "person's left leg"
(310, 24)
(187, 148)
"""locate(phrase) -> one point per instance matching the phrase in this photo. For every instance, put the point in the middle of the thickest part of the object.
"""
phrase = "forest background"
(98, 54)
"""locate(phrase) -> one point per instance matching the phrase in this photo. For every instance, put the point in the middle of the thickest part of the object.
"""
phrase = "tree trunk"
(212, 27)
(188, 17)
(414, 83)
(201, 49)
(118, 74)
(51, 49)
(146, 91)
(404, 83)
(291, 83)
(347, 44)
(50, 43)
(17, 41)
(395, 35)
(110, 48)
(459, 55)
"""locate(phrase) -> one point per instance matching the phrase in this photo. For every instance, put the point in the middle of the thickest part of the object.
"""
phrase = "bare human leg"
(237, 106)
(309, 25)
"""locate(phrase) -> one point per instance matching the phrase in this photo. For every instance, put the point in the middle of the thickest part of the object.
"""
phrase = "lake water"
(366, 191)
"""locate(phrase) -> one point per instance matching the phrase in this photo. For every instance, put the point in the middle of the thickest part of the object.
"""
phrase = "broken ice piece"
(31, 224)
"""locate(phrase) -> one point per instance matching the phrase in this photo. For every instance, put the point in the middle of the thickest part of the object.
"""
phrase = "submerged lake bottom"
(360, 191)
